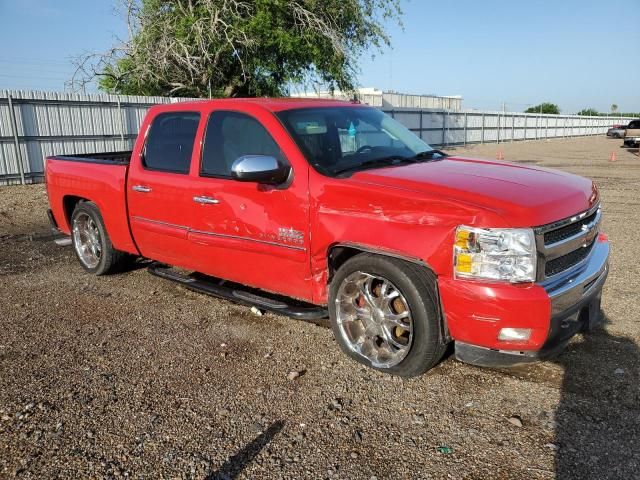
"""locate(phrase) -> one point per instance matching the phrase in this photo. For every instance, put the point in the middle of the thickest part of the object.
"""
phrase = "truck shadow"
(238, 462)
(138, 264)
(634, 151)
(598, 418)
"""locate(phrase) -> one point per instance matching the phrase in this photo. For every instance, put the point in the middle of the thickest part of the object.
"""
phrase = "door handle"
(206, 200)
(141, 189)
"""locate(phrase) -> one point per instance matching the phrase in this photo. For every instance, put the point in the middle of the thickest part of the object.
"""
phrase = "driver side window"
(230, 135)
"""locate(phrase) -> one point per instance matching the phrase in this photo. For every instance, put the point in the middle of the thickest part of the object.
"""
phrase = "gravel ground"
(133, 376)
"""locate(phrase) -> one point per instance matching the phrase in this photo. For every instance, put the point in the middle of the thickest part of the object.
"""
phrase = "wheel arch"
(341, 252)
(69, 203)
(115, 219)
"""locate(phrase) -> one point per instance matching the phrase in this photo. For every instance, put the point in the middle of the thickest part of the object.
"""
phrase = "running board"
(64, 241)
(235, 293)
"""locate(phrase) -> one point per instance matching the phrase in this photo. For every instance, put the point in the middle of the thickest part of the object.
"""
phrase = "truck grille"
(564, 244)
(570, 230)
(565, 262)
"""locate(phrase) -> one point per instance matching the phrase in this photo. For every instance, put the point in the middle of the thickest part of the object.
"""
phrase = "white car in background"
(616, 131)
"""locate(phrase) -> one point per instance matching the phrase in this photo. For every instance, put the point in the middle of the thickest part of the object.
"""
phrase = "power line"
(33, 86)
(39, 77)
(35, 61)
(34, 72)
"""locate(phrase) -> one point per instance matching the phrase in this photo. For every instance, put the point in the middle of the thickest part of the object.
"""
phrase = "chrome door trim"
(166, 224)
(222, 235)
(236, 237)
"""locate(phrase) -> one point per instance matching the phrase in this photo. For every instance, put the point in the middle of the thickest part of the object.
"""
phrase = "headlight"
(495, 254)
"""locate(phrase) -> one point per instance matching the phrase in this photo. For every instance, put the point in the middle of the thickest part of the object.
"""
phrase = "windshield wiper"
(429, 155)
(391, 160)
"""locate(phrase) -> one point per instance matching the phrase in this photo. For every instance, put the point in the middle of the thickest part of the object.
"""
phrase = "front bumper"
(573, 305)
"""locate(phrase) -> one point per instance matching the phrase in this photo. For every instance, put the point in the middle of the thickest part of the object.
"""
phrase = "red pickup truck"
(318, 209)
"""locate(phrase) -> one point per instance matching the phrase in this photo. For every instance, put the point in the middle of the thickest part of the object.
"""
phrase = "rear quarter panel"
(102, 184)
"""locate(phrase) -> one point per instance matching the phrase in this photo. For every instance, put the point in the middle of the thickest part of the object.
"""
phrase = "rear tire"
(92, 244)
(368, 294)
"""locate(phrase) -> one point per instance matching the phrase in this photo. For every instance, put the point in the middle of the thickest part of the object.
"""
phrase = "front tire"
(91, 241)
(384, 314)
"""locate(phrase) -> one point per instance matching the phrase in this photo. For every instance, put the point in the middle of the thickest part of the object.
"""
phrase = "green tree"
(589, 112)
(229, 48)
(545, 107)
(614, 108)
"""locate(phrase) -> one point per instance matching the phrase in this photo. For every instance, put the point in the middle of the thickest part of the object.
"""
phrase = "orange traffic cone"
(612, 158)
(499, 156)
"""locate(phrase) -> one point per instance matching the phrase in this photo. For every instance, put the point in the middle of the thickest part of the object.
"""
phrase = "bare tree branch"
(184, 47)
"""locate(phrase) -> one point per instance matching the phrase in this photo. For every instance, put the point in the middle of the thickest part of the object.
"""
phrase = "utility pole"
(391, 70)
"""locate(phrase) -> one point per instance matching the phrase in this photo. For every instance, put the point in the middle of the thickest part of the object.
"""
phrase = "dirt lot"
(133, 376)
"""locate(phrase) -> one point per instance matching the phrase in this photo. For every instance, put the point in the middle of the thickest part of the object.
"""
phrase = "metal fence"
(443, 128)
(34, 125)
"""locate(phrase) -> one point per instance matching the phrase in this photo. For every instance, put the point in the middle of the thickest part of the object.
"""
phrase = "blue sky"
(573, 53)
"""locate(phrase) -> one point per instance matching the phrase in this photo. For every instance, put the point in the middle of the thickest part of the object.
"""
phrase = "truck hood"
(523, 195)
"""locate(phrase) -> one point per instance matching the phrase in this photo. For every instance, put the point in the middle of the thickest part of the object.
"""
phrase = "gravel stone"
(418, 419)
(515, 420)
(108, 354)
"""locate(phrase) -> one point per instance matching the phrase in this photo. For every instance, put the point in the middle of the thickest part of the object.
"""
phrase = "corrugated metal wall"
(403, 100)
(442, 128)
(50, 123)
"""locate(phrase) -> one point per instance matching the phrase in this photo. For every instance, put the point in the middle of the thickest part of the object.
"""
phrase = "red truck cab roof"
(271, 104)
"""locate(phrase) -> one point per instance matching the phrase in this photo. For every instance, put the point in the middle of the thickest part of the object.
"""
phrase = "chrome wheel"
(374, 319)
(87, 240)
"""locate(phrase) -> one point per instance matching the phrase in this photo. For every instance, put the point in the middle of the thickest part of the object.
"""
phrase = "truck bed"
(100, 178)
(118, 158)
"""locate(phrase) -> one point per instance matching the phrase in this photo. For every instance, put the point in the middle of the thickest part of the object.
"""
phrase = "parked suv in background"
(632, 134)
(616, 131)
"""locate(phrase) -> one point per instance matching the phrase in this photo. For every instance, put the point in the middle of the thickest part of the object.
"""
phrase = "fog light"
(514, 334)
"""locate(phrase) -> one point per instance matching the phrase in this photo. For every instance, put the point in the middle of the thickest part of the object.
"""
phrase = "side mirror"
(260, 169)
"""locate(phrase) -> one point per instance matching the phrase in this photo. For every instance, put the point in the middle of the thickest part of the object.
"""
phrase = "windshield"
(341, 139)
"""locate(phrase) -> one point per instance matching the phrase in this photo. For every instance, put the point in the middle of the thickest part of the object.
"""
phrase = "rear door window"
(170, 142)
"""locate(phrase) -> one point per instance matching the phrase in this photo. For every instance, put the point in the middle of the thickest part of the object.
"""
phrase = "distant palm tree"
(614, 108)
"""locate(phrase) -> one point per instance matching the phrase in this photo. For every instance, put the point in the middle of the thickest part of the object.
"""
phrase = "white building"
(378, 98)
